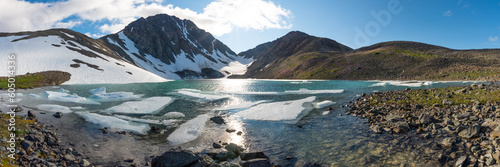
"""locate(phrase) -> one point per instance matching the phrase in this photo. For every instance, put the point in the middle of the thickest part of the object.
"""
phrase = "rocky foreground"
(457, 126)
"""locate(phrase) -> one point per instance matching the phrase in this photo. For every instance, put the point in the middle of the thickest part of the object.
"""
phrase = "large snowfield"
(39, 54)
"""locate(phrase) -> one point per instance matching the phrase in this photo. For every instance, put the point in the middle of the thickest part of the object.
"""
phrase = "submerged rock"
(218, 120)
(58, 114)
(175, 158)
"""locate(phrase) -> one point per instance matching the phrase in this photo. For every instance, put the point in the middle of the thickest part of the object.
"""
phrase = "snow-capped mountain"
(88, 60)
(176, 49)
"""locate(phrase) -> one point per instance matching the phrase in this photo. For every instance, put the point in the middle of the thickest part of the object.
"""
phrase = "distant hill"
(269, 57)
(396, 60)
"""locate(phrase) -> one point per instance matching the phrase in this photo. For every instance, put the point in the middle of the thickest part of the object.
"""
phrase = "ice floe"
(54, 108)
(148, 121)
(323, 104)
(65, 97)
(77, 108)
(174, 115)
(301, 82)
(36, 96)
(241, 105)
(146, 106)
(189, 131)
(404, 83)
(199, 95)
(278, 111)
(307, 91)
(100, 94)
(114, 123)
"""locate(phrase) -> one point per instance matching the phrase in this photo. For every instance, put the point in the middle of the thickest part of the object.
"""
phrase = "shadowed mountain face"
(294, 43)
(299, 56)
(172, 48)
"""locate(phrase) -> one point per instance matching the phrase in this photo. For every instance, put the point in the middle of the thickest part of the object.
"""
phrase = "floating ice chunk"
(242, 105)
(325, 112)
(63, 90)
(100, 94)
(301, 82)
(307, 91)
(115, 123)
(174, 115)
(64, 97)
(252, 93)
(169, 122)
(323, 104)
(278, 111)
(77, 108)
(146, 106)
(148, 121)
(54, 108)
(196, 94)
(404, 83)
(100, 90)
(189, 131)
(36, 96)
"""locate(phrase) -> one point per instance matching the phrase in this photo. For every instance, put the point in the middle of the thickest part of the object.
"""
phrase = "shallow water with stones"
(288, 123)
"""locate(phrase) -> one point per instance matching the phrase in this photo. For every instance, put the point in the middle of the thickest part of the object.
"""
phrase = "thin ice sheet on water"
(100, 94)
(199, 95)
(146, 106)
(114, 123)
(189, 131)
(54, 108)
(174, 115)
(277, 111)
(65, 97)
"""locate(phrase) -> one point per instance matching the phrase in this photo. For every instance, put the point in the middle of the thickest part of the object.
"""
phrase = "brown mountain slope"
(397, 60)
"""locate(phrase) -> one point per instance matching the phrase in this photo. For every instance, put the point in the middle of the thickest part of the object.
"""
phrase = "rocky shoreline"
(456, 126)
(39, 145)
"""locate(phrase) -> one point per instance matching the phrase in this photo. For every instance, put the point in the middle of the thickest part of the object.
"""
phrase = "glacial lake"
(279, 117)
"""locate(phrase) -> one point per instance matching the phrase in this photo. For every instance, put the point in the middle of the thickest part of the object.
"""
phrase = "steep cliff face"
(175, 48)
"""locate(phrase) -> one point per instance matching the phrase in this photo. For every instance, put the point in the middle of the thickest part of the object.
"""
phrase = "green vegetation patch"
(21, 130)
(416, 54)
(22, 82)
(428, 97)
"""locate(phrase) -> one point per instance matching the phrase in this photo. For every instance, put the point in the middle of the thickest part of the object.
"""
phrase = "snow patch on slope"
(39, 54)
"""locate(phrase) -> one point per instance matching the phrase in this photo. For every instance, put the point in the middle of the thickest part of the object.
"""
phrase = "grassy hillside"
(39, 79)
(397, 60)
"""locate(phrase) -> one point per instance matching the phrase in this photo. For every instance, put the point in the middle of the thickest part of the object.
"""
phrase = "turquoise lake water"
(280, 117)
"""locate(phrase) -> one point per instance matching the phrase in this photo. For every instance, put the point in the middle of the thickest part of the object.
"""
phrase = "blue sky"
(457, 24)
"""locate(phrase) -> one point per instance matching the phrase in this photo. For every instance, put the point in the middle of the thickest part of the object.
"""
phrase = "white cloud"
(493, 39)
(94, 35)
(218, 17)
(448, 13)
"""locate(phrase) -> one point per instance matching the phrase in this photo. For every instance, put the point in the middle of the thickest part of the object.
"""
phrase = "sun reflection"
(234, 85)
(238, 137)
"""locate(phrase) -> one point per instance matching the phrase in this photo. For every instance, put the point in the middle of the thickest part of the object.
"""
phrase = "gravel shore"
(457, 126)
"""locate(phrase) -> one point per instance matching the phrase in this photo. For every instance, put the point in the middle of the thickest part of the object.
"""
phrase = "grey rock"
(257, 163)
(58, 114)
(447, 102)
(18, 109)
(31, 114)
(460, 162)
(469, 132)
(233, 148)
(225, 155)
(252, 155)
(69, 157)
(85, 163)
(448, 142)
(425, 119)
(26, 144)
(230, 130)
(175, 158)
(216, 145)
(376, 129)
(218, 120)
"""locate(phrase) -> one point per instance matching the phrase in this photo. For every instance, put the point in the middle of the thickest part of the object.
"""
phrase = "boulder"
(58, 114)
(257, 163)
(470, 132)
(175, 158)
(218, 120)
(252, 155)
(425, 119)
(233, 148)
(447, 102)
(31, 114)
(460, 162)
